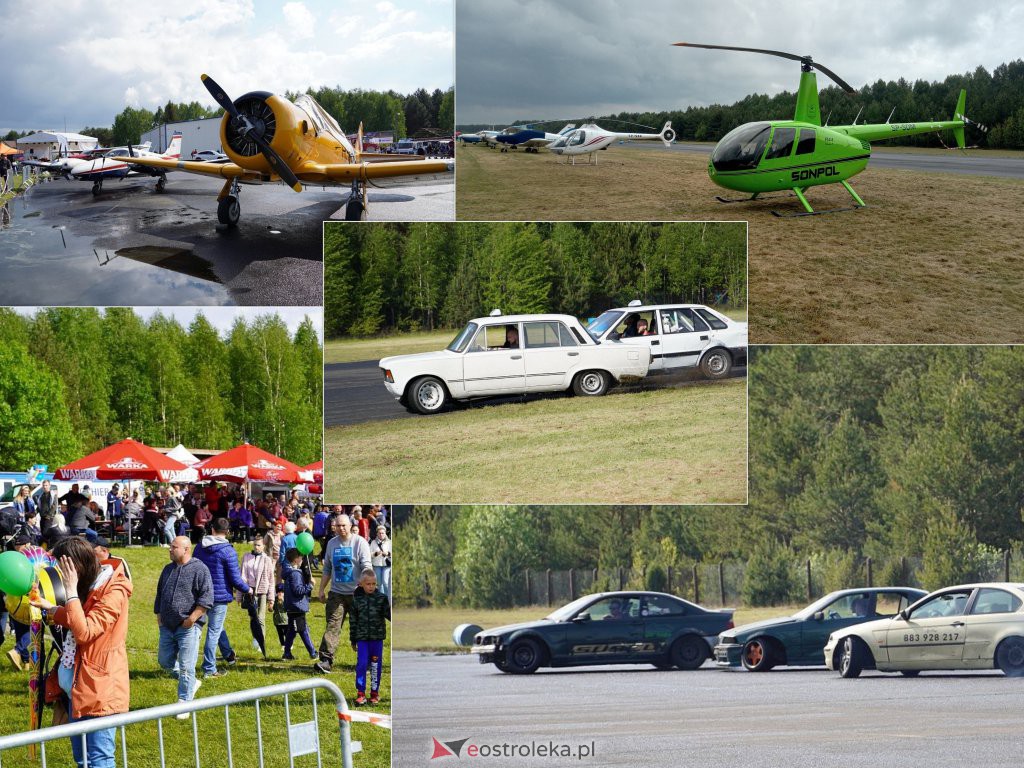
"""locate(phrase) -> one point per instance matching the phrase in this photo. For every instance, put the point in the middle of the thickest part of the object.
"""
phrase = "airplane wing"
(535, 142)
(221, 170)
(310, 172)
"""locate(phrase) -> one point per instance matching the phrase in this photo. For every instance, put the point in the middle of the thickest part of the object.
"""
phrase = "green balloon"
(304, 542)
(16, 574)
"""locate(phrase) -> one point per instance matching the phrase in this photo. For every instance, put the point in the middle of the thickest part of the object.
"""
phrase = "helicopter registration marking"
(814, 173)
(903, 127)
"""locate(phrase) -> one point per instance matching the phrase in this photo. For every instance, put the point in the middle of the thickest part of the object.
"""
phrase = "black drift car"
(608, 628)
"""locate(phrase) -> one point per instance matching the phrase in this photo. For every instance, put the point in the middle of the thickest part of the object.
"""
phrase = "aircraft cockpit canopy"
(742, 148)
(319, 118)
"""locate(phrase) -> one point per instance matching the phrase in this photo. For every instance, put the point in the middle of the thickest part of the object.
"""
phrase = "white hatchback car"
(512, 355)
(678, 335)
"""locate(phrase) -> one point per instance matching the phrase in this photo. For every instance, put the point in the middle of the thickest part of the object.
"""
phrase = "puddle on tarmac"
(178, 260)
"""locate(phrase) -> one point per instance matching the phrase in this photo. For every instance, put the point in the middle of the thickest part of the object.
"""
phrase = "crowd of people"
(204, 578)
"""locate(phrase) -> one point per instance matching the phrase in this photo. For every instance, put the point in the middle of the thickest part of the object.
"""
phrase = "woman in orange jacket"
(93, 667)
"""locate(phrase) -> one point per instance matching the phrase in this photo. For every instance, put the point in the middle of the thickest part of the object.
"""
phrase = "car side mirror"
(904, 615)
(581, 618)
(819, 616)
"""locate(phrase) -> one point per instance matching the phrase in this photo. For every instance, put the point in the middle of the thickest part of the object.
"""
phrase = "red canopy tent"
(314, 473)
(126, 460)
(247, 463)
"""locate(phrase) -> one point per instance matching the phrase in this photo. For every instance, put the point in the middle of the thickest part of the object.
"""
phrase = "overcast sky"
(551, 59)
(222, 318)
(80, 62)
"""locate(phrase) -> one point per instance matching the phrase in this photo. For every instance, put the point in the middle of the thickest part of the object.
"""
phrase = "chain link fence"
(715, 585)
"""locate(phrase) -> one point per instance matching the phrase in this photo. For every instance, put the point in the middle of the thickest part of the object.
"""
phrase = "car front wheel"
(1010, 656)
(523, 657)
(591, 383)
(688, 652)
(716, 364)
(758, 655)
(427, 395)
(852, 657)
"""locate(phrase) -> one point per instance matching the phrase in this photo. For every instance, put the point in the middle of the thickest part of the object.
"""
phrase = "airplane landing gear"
(161, 183)
(97, 186)
(228, 209)
(355, 208)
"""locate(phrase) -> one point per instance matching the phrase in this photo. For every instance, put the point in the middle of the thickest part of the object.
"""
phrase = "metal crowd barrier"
(307, 734)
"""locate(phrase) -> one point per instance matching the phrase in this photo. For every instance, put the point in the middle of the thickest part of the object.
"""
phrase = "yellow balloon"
(20, 609)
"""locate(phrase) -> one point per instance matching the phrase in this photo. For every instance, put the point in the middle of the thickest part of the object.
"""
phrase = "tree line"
(73, 380)
(420, 114)
(909, 456)
(422, 276)
(995, 100)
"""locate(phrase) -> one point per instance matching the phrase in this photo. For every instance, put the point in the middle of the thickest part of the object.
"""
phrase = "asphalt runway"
(971, 163)
(132, 246)
(640, 716)
(355, 393)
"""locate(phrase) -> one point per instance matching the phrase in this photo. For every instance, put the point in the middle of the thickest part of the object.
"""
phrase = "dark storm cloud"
(541, 58)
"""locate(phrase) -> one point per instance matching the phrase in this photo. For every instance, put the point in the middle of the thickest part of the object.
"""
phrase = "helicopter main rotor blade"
(781, 54)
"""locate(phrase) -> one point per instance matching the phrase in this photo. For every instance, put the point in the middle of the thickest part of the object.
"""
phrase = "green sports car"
(607, 628)
(798, 640)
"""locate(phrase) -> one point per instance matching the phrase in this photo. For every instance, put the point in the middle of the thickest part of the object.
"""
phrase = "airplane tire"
(97, 187)
(354, 210)
(229, 211)
(161, 184)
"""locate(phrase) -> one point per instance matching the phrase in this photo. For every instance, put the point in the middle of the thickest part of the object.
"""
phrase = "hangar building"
(46, 144)
(195, 135)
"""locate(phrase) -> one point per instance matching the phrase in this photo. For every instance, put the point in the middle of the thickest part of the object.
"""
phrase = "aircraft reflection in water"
(268, 138)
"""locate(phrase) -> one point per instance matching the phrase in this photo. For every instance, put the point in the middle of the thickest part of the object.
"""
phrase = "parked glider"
(777, 155)
(591, 138)
(269, 138)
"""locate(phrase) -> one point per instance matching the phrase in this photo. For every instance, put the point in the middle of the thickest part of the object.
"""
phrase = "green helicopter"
(777, 155)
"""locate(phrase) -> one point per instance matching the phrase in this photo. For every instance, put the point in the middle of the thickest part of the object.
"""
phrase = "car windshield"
(741, 148)
(459, 342)
(600, 325)
(569, 610)
(818, 605)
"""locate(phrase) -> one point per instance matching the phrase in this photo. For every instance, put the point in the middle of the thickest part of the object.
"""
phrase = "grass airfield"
(928, 248)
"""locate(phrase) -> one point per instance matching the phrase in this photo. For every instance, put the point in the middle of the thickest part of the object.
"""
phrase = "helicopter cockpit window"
(806, 144)
(782, 143)
(577, 138)
(741, 148)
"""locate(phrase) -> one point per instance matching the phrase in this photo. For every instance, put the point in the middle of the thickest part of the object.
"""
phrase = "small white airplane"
(530, 139)
(118, 164)
(590, 138)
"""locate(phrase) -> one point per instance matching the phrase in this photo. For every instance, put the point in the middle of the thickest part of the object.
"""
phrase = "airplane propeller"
(247, 129)
(806, 62)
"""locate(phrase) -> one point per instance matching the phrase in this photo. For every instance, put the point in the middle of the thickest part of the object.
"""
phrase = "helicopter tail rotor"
(668, 134)
(806, 62)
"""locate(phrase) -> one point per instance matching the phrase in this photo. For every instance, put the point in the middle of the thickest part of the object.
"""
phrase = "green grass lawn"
(357, 350)
(566, 450)
(430, 629)
(150, 687)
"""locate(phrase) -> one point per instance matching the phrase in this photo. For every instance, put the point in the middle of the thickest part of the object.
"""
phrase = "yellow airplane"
(268, 138)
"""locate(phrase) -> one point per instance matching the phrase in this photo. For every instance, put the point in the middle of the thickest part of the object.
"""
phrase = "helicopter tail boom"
(880, 131)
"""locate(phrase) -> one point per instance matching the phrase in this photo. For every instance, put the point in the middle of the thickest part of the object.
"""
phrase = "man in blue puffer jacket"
(222, 560)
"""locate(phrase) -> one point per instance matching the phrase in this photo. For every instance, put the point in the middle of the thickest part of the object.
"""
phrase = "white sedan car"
(973, 626)
(678, 335)
(512, 355)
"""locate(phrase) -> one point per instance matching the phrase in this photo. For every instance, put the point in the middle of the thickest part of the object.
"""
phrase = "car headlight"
(727, 639)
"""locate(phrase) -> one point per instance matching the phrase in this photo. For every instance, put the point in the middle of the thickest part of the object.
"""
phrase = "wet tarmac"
(132, 246)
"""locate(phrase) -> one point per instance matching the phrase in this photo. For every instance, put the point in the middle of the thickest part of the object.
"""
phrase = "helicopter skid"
(794, 214)
(747, 199)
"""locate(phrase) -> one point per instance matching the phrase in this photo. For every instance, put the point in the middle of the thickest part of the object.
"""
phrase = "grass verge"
(930, 246)
(430, 629)
(151, 686)
(565, 450)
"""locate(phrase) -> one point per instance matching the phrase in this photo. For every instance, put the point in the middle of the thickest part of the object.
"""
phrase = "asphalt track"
(355, 393)
(639, 716)
(970, 163)
(132, 246)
